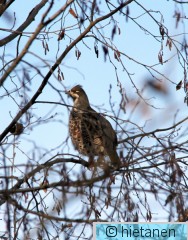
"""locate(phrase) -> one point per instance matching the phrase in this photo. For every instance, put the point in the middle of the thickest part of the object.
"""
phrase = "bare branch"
(19, 30)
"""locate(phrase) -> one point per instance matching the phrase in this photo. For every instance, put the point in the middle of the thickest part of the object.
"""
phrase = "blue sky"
(95, 75)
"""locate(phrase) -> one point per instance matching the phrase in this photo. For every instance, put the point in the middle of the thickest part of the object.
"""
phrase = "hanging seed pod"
(17, 129)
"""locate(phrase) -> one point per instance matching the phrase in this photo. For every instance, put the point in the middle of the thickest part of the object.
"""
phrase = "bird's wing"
(106, 135)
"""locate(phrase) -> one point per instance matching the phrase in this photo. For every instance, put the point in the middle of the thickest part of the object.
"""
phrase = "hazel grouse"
(91, 134)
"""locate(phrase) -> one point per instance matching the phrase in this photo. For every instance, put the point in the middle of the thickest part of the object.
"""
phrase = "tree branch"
(53, 68)
(152, 132)
(47, 164)
(180, 2)
(50, 217)
(5, 5)
(30, 18)
(41, 25)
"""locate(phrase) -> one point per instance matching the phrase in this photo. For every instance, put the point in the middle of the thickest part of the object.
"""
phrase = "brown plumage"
(91, 134)
(17, 129)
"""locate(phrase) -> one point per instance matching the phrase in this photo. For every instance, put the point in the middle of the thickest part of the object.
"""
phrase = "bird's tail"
(114, 158)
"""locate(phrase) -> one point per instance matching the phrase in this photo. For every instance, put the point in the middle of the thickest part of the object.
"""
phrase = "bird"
(91, 133)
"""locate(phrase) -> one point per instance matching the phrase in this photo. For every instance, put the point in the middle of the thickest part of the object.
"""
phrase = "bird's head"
(79, 97)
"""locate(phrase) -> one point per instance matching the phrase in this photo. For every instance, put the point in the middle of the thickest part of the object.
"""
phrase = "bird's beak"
(68, 92)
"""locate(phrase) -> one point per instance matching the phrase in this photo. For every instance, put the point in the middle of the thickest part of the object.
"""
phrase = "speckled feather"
(91, 133)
